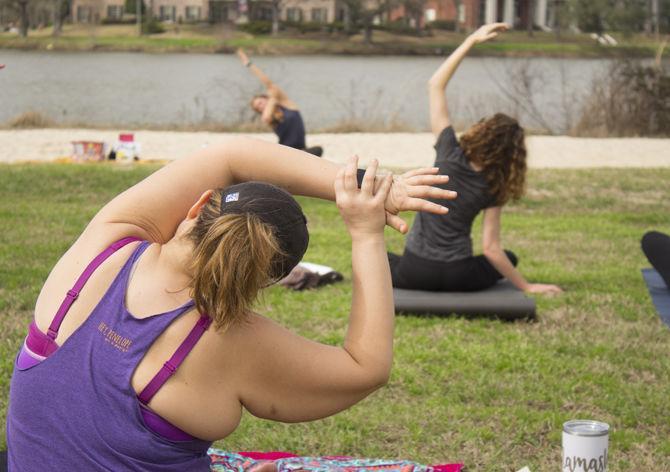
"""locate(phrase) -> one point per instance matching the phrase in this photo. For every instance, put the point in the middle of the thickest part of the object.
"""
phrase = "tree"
(414, 9)
(130, 7)
(61, 9)
(20, 9)
(364, 12)
(276, 10)
(561, 17)
(24, 18)
(598, 16)
(137, 8)
(457, 8)
(531, 16)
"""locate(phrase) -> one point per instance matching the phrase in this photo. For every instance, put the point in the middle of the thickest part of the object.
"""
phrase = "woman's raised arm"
(437, 102)
(288, 378)
(154, 207)
(272, 88)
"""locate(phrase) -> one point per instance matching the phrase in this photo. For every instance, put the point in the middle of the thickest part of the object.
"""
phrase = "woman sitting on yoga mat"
(278, 111)
(487, 169)
(121, 369)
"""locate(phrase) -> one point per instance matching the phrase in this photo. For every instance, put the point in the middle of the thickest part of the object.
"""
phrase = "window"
(218, 13)
(430, 14)
(263, 13)
(341, 14)
(320, 15)
(167, 13)
(83, 14)
(115, 12)
(192, 13)
(461, 13)
(294, 14)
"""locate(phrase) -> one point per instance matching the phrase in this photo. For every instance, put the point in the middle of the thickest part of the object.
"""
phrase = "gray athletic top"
(446, 238)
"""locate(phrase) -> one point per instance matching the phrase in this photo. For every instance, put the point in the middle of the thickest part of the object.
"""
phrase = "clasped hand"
(379, 200)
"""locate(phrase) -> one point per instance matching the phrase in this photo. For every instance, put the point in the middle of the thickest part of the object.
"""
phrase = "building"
(94, 11)
(180, 10)
(470, 14)
(466, 14)
(316, 11)
(298, 11)
(516, 12)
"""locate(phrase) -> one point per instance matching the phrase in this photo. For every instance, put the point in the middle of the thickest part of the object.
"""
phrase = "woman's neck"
(174, 260)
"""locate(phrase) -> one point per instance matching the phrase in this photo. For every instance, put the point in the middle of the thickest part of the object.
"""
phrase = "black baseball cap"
(276, 208)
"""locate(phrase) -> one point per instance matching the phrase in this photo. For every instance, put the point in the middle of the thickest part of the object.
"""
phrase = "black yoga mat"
(660, 294)
(503, 300)
(3, 461)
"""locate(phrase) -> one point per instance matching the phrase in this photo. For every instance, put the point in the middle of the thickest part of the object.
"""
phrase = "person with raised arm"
(487, 166)
(278, 111)
(144, 348)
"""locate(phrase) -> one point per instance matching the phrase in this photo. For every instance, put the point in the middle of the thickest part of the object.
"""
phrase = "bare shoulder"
(73, 262)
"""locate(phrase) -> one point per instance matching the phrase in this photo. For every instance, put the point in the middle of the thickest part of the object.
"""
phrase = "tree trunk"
(138, 15)
(275, 18)
(24, 20)
(457, 23)
(367, 30)
(531, 16)
(655, 17)
(347, 19)
(58, 18)
(558, 19)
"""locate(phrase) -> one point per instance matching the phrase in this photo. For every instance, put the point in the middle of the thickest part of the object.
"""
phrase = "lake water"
(163, 90)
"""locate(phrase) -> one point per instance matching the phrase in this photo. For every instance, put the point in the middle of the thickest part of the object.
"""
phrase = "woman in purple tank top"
(144, 348)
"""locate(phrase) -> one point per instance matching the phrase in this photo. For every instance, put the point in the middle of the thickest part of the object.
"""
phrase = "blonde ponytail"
(232, 262)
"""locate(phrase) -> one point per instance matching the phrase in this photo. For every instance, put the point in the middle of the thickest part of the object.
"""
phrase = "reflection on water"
(128, 89)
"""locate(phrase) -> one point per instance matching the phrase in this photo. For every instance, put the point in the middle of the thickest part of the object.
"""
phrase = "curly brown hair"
(497, 146)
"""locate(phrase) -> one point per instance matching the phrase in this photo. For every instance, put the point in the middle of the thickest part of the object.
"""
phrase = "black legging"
(315, 150)
(465, 275)
(656, 246)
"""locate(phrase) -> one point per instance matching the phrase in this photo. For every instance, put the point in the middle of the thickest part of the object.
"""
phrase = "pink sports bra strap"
(73, 293)
(175, 361)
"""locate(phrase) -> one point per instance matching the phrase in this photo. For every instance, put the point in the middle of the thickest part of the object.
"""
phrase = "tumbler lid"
(586, 428)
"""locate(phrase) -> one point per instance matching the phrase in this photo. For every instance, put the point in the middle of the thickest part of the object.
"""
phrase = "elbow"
(381, 379)
(376, 379)
(490, 251)
(272, 90)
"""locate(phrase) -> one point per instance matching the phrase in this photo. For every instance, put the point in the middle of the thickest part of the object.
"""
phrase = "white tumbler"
(585, 446)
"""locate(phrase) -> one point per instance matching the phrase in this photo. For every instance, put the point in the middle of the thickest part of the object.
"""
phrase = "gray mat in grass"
(503, 300)
(660, 294)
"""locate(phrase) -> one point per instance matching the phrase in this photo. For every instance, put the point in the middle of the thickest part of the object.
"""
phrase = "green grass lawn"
(491, 394)
(224, 38)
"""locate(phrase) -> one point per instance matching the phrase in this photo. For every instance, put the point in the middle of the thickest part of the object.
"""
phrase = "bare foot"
(264, 467)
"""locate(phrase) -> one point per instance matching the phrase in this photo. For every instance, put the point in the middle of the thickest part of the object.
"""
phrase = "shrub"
(335, 27)
(310, 27)
(397, 27)
(31, 119)
(257, 28)
(117, 21)
(313, 26)
(633, 99)
(152, 26)
(447, 25)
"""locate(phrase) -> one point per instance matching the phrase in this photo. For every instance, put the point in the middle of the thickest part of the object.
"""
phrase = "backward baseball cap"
(276, 208)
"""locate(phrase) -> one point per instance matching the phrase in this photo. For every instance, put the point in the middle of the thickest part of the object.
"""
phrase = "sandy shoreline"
(392, 149)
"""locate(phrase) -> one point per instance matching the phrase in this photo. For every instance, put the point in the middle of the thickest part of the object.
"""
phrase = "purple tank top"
(77, 410)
